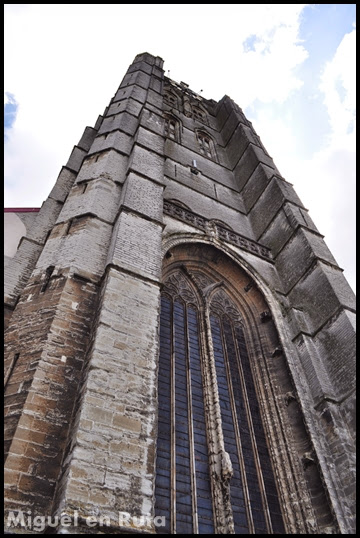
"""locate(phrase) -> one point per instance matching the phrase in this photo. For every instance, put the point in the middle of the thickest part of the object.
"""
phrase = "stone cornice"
(214, 228)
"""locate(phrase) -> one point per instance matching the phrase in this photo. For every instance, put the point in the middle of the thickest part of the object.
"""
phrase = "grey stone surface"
(137, 77)
(107, 165)
(141, 66)
(268, 204)
(83, 248)
(100, 197)
(46, 219)
(29, 219)
(257, 183)
(238, 142)
(143, 196)
(147, 163)
(229, 197)
(156, 84)
(278, 232)
(117, 140)
(76, 158)
(63, 184)
(87, 138)
(129, 105)
(320, 293)
(150, 140)
(207, 167)
(337, 340)
(86, 325)
(183, 175)
(313, 369)
(299, 216)
(154, 99)
(152, 120)
(115, 439)
(298, 254)
(208, 207)
(17, 273)
(124, 122)
(249, 160)
(135, 92)
(136, 246)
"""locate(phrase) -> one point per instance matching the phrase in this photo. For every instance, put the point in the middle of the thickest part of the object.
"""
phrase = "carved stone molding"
(221, 302)
(289, 443)
(216, 230)
(177, 284)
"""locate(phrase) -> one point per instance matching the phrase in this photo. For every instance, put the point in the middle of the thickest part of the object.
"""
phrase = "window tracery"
(206, 144)
(199, 114)
(171, 99)
(193, 445)
(172, 128)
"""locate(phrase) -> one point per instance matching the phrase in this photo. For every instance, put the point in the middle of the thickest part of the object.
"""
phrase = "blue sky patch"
(323, 27)
(249, 43)
(10, 111)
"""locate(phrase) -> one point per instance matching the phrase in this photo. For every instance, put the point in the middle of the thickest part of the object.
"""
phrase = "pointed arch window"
(214, 473)
(172, 128)
(199, 114)
(206, 144)
(171, 99)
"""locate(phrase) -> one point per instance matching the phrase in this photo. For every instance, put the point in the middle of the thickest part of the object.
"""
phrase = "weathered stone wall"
(107, 234)
(44, 359)
(315, 295)
(310, 288)
(18, 269)
(82, 343)
(112, 464)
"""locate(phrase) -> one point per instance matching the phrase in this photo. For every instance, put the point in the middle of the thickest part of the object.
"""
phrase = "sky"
(290, 67)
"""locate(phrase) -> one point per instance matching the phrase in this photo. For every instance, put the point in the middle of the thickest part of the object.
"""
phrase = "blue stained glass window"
(183, 487)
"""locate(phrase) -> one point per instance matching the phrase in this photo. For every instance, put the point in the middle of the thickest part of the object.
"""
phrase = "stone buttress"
(165, 175)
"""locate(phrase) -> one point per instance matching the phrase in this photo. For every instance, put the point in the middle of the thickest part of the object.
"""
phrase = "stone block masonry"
(45, 353)
(112, 464)
(170, 183)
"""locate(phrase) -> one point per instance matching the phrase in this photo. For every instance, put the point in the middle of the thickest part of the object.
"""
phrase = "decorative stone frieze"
(216, 230)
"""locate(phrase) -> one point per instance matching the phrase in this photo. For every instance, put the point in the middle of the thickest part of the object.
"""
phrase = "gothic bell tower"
(179, 345)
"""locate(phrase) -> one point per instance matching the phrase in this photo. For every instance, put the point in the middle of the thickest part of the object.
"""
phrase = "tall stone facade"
(172, 201)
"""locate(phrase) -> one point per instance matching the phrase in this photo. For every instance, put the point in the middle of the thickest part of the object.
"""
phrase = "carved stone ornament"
(203, 281)
(187, 106)
(216, 231)
(177, 284)
(221, 303)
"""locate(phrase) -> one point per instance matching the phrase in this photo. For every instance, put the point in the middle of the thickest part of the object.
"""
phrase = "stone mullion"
(298, 514)
(218, 457)
(251, 427)
(237, 432)
(191, 427)
(173, 425)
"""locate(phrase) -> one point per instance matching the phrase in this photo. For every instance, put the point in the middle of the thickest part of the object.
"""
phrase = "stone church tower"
(180, 342)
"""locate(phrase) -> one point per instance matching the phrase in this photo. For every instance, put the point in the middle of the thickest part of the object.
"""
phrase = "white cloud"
(339, 86)
(333, 168)
(64, 62)
(272, 64)
(325, 182)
